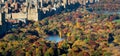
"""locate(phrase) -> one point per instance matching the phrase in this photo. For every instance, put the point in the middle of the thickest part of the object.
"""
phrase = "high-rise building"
(2, 18)
(68, 1)
(15, 1)
(3, 1)
(26, 1)
(16, 6)
(80, 1)
(0, 1)
(65, 2)
(59, 1)
(0, 6)
(11, 1)
(96, 0)
(52, 2)
(33, 14)
(41, 3)
(29, 3)
(33, 4)
(46, 1)
(6, 4)
(84, 2)
(2, 24)
(91, 1)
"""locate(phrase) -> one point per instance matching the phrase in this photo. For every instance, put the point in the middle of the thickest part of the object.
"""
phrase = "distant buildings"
(14, 11)
(2, 24)
(3, 1)
(91, 1)
(65, 2)
(19, 16)
(33, 14)
(0, 6)
(41, 3)
(28, 9)
(2, 18)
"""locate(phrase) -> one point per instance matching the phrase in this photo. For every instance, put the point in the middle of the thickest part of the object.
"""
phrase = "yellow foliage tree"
(38, 52)
(78, 43)
(68, 34)
(27, 54)
(77, 25)
(60, 33)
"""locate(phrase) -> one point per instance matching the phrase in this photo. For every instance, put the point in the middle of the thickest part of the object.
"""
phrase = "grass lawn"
(118, 21)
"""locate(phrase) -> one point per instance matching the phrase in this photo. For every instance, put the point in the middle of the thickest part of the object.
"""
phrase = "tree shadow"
(69, 8)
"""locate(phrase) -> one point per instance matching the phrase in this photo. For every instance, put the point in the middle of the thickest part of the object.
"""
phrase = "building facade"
(33, 14)
(2, 24)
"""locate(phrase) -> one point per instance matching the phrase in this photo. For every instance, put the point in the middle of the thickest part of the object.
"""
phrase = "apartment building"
(32, 14)
(2, 18)
(2, 24)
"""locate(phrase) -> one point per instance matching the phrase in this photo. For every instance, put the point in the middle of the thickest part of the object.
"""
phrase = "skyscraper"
(41, 3)
(3, 1)
(0, 18)
(52, 2)
(46, 1)
(16, 6)
(0, 6)
(65, 2)
(6, 4)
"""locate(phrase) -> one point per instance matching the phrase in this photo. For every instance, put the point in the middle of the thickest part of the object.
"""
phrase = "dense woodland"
(105, 5)
(86, 34)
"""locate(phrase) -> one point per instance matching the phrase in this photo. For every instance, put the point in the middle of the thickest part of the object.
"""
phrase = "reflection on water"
(55, 39)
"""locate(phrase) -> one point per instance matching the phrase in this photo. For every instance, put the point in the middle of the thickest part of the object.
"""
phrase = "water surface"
(55, 39)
